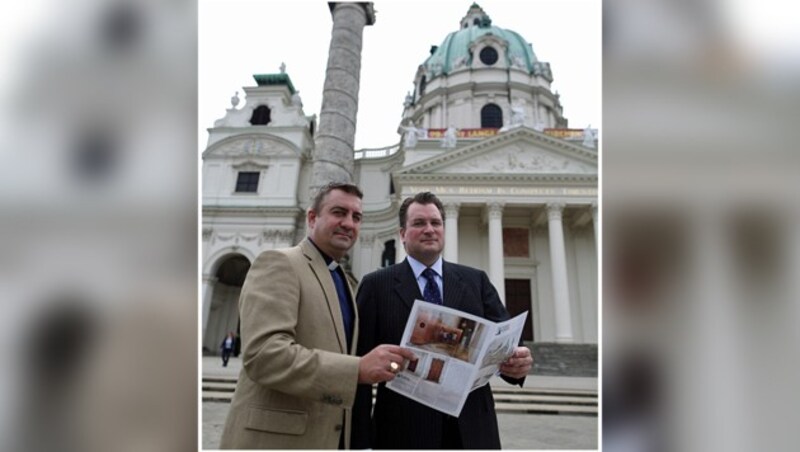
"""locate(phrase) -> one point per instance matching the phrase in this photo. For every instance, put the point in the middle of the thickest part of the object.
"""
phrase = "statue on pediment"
(588, 137)
(518, 115)
(450, 139)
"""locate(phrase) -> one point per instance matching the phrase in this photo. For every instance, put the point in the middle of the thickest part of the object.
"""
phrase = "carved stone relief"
(514, 159)
(236, 238)
(280, 235)
(252, 147)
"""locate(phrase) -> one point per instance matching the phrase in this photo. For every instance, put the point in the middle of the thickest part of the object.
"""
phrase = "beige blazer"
(298, 379)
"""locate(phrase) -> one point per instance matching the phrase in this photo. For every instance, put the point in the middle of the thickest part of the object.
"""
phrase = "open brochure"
(456, 353)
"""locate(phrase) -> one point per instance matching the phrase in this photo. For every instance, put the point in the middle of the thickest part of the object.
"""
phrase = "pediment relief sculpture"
(245, 147)
(514, 160)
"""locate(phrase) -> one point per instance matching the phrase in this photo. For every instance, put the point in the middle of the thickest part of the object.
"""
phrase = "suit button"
(338, 427)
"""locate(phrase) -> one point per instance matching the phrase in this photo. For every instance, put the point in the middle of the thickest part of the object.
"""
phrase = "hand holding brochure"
(456, 353)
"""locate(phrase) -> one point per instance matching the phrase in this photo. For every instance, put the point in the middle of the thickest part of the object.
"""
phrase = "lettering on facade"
(502, 191)
(463, 133)
(483, 133)
(564, 133)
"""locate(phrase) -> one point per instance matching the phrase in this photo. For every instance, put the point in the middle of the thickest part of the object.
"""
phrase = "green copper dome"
(454, 52)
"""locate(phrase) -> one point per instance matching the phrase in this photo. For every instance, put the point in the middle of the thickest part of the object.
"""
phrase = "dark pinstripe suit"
(384, 300)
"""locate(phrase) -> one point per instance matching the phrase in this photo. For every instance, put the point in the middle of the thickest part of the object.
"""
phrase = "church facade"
(482, 130)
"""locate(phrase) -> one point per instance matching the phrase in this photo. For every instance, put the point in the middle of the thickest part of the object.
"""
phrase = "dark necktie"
(344, 301)
(431, 293)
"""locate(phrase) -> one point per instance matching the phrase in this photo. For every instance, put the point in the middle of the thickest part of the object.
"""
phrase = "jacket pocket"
(288, 422)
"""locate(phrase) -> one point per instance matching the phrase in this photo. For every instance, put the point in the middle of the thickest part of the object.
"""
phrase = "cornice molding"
(251, 211)
(590, 179)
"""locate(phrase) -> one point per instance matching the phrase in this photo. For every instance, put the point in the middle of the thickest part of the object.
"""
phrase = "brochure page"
(456, 353)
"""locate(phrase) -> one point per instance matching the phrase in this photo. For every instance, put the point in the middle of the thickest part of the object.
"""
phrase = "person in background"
(227, 348)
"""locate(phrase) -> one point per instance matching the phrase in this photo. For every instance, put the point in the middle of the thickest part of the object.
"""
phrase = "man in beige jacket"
(299, 327)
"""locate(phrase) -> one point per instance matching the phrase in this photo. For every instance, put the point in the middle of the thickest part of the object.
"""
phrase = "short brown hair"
(331, 186)
(423, 198)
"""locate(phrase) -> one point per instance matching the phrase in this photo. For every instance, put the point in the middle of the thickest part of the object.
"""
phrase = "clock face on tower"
(488, 56)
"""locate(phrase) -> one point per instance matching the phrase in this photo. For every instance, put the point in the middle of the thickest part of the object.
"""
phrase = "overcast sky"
(239, 38)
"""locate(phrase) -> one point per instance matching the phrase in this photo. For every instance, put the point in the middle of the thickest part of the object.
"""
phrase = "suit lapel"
(405, 284)
(316, 265)
(453, 286)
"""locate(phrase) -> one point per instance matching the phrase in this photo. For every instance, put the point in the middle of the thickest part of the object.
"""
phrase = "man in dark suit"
(385, 298)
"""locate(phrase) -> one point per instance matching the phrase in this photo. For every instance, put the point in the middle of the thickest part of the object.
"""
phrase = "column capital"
(208, 279)
(367, 239)
(451, 209)
(367, 7)
(554, 210)
(495, 209)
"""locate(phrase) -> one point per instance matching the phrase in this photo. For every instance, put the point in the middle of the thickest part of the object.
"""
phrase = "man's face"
(335, 227)
(423, 233)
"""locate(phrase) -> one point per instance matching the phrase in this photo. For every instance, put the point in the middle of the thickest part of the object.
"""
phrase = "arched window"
(491, 117)
(261, 116)
(422, 83)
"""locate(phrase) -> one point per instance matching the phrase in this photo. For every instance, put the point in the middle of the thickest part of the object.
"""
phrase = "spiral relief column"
(333, 153)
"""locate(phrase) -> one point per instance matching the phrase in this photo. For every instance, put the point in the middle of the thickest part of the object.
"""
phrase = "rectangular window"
(247, 182)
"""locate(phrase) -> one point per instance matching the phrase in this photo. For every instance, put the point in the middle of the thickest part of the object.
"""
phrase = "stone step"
(508, 399)
(228, 385)
(528, 407)
(535, 408)
(520, 397)
(219, 387)
(503, 387)
(564, 400)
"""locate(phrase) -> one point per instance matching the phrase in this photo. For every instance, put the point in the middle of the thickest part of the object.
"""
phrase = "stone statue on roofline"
(450, 139)
(588, 137)
(296, 101)
(518, 115)
(409, 101)
(413, 133)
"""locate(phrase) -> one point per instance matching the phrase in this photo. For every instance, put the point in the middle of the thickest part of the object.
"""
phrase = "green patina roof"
(456, 45)
(274, 79)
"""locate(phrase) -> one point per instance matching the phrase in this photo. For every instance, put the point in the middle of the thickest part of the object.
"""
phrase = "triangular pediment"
(252, 145)
(520, 151)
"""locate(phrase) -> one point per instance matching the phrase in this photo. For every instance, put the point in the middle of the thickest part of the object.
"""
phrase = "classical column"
(333, 154)
(365, 251)
(558, 260)
(208, 291)
(451, 232)
(596, 231)
(400, 250)
(497, 272)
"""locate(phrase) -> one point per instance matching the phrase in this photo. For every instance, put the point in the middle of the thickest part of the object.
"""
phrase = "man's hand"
(382, 363)
(518, 365)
